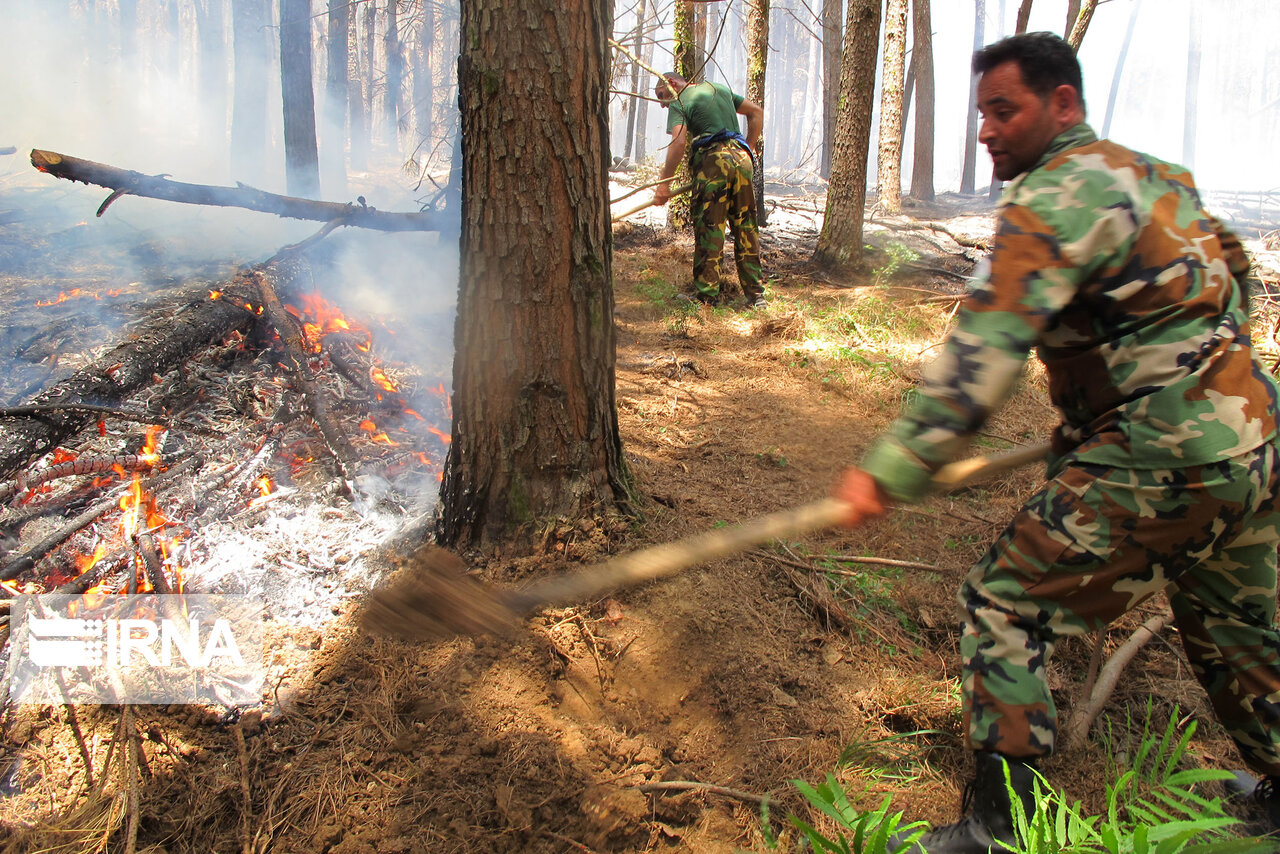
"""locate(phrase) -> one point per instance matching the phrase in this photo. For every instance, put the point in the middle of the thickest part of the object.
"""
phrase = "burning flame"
(375, 434)
(320, 317)
(76, 293)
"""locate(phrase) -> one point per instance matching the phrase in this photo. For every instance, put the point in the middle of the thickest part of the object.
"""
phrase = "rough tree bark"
(889, 161)
(249, 99)
(535, 424)
(334, 138)
(922, 62)
(967, 178)
(830, 79)
(302, 161)
(840, 243)
(1076, 36)
(757, 63)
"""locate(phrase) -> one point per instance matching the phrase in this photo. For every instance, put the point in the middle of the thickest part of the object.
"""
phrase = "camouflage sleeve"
(1233, 251)
(1036, 269)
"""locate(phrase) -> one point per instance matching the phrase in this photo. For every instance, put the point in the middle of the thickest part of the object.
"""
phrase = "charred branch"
(125, 182)
(165, 340)
(295, 353)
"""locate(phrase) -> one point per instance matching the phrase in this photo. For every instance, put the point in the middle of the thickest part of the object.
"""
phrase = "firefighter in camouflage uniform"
(1164, 472)
(703, 118)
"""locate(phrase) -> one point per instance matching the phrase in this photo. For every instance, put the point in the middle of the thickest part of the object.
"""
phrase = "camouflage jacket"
(1105, 261)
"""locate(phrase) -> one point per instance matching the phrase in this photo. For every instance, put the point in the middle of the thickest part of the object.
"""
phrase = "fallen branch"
(124, 182)
(692, 786)
(295, 359)
(1077, 730)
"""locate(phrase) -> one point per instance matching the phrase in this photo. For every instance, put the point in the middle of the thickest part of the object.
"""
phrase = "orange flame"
(76, 293)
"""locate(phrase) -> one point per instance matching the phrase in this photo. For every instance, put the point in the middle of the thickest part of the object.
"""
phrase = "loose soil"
(743, 675)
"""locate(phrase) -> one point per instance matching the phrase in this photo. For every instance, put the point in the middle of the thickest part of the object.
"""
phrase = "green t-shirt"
(704, 109)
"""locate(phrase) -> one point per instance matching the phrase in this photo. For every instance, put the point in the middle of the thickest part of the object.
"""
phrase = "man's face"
(1017, 124)
(664, 94)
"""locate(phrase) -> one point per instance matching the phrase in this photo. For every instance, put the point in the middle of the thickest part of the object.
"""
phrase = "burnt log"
(163, 341)
(125, 182)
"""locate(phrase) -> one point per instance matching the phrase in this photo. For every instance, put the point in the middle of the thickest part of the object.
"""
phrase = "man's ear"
(1065, 105)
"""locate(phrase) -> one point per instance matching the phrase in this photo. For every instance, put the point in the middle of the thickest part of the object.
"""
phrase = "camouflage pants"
(1097, 541)
(722, 193)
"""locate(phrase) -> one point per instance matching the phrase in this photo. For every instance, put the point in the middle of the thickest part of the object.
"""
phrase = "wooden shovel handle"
(629, 211)
(657, 561)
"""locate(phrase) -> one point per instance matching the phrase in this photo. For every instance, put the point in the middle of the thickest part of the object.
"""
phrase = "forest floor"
(786, 663)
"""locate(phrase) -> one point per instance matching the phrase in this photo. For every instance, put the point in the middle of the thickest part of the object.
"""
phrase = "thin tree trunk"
(922, 62)
(889, 162)
(679, 216)
(334, 139)
(535, 423)
(642, 109)
(359, 107)
(840, 242)
(423, 84)
(1073, 12)
(302, 163)
(213, 69)
(757, 63)
(249, 104)
(1192, 91)
(993, 193)
(1115, 77)
(1024, 15)
(395, 77)
(1085, 15)
(633, 108)
(971, 117)
(830, 79)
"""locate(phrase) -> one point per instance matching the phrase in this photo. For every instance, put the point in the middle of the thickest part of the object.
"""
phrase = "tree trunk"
(699, 41)
(830, 79)
(1024, 15)
(1073, 12)
(249, 105)
(922, 61)
(421, 80)
(361, 109)
(334, 138)
(213, 70)
(757, 63)
(840, 243)
(642, 108)
(971, 118)
(1082, 23)
(302, 163)
(679, 216)
(997, 186)
(634, 107)
(1115, 77)
(889, 162)
(1193, 90)
(395, 77)
(535, 424)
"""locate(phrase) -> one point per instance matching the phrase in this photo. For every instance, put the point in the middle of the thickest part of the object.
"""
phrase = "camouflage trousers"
(722, 193)
(1097, 541)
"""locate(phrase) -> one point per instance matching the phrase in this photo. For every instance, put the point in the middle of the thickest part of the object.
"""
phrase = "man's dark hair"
(1045, 60)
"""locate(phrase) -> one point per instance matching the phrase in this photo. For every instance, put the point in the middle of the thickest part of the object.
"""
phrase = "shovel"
(642, 205)
(433, 599)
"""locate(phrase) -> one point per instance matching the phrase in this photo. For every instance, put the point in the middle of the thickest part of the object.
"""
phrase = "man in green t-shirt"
(703, 118)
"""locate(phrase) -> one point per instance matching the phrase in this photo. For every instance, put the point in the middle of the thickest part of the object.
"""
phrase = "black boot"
(988, 810)
(1261, 796)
